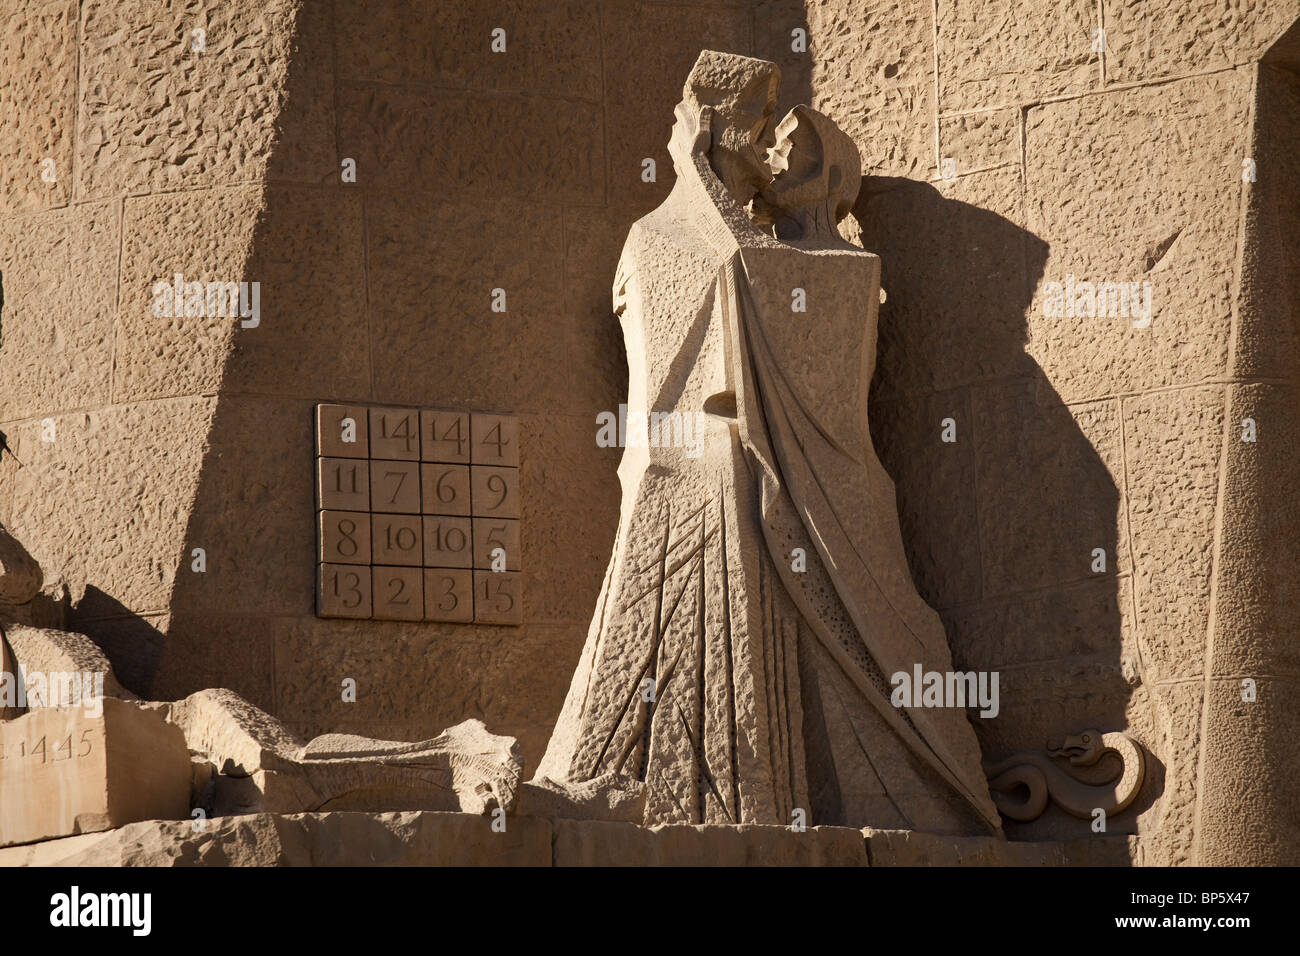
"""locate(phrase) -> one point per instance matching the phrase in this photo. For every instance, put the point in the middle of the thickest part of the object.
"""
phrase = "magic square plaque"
(417, 515)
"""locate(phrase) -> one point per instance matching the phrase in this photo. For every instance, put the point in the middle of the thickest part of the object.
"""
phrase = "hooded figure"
(758, 599)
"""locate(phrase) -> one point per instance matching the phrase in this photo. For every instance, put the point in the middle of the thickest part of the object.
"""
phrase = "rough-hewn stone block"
(1153, 204)
(549, 48)
(957, 268)
(1048, 478)
(68, 770)
(1149, 40)
(60, 289)
(935, 487)
(38, 59)
(646, 84)
(1014, 54)
(205, 237)
(154, 114)
(1173, 441)
(139, 465)
(437, 301)
(977, 140)
(405, 139)
(311, 336)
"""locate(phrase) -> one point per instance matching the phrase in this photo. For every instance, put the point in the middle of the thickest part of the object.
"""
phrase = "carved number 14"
(459, 439)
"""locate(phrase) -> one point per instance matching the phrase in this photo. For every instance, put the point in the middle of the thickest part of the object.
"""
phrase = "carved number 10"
(405, 538)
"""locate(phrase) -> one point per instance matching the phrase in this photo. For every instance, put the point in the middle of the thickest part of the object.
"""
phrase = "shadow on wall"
(1001, 524)
(472, 172)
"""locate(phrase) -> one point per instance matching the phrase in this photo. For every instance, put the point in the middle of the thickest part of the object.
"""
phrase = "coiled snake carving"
(1044, 777)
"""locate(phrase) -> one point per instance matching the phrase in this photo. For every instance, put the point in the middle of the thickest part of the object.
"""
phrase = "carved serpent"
(1044, 777)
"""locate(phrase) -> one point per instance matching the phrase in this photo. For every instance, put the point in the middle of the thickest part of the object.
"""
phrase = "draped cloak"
(758, 598)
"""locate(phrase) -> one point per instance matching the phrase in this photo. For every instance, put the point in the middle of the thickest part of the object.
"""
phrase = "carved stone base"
(462, 839)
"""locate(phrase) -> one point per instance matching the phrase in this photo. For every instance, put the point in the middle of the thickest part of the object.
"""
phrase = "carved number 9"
(498, 484)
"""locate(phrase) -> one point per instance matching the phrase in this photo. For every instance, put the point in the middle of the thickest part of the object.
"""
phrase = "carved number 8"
(346, 528)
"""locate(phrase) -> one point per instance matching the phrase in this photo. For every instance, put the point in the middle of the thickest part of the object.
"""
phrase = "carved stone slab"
(417, 515)
(65, 771)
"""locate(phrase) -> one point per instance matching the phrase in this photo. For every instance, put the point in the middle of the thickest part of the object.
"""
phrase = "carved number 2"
(398, 592)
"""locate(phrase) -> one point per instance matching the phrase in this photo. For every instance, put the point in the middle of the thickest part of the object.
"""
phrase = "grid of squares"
(417, 515)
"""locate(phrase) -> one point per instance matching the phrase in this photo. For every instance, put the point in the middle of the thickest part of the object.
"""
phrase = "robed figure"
(758, 600)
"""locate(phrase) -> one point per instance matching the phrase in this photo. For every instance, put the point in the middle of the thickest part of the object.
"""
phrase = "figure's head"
(741, 92)
(814, 163)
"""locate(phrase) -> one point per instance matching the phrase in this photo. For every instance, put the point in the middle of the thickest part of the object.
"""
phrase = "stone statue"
(758, 599)
(1023, 783)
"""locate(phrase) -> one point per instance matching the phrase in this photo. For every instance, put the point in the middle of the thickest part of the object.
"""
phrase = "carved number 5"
(501, 593)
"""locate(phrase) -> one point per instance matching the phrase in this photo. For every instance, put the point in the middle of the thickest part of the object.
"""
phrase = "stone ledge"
(914, 848)
(591, 843)
(427, 838)
(412, 838)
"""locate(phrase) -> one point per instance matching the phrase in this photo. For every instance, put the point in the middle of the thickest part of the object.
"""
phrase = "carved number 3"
(451, 593)
(353, 588)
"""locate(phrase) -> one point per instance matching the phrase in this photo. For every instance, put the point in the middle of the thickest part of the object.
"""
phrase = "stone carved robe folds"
(737, 688)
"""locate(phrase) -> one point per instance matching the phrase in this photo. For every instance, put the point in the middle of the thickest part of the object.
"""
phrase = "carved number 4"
(489, 440)
(458, 439)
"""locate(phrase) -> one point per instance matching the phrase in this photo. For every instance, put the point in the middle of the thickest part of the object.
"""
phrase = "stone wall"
(523, 170)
